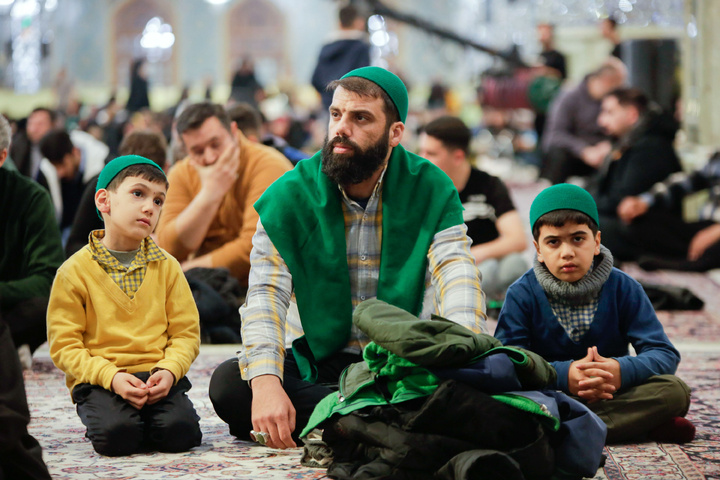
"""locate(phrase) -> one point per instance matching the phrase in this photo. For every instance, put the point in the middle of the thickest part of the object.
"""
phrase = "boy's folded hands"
(594, 377)
(137, 393)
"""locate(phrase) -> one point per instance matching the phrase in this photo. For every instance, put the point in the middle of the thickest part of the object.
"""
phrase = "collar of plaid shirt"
(302, 214)
(129, 278)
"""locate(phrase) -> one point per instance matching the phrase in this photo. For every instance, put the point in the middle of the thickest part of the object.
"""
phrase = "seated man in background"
(658, 240)
(30, 253)
(494, 226)
(145, 143)
(25, 147)
(642, 152)
(208, 218)
(71, 161)
(573, 143)
(249, 121)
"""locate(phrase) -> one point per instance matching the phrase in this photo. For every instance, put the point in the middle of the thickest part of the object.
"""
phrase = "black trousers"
(117, 428)
(658, 234)
(558, 165)
(20, 454)
(231, 396)
(27, 322)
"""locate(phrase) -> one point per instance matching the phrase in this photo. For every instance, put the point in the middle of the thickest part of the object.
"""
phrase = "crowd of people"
(268, 245)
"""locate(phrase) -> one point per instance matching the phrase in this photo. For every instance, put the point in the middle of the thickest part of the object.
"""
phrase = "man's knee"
(224, 382)
(231, 398)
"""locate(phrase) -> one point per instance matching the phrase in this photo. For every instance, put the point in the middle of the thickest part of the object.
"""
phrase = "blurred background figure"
(138, 98)
(244, 86)
(347, 49)
(608, 29)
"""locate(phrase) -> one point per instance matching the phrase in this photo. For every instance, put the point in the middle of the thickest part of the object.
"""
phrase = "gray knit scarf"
(581, 292)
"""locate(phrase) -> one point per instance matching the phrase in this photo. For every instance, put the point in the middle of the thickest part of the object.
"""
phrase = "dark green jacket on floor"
(403, 349)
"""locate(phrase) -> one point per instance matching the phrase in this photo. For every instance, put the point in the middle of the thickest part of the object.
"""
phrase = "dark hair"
(631, 97)
(612, 22)
(55, 145)
(142, 170)
(558, 218)
(51, 113)
(145, 143)
(366, 88)
(195, 115)
(451, 131)
(347, 16)
(246, 117)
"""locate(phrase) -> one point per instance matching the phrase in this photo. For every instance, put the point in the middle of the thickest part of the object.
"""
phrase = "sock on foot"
(675, 430)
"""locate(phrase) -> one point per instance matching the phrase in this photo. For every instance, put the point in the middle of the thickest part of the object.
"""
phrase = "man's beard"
(356, 167)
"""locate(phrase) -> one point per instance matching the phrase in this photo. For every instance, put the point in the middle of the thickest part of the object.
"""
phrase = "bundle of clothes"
(434, 400)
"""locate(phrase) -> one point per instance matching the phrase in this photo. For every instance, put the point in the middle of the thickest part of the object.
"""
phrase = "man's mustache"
(345, 142)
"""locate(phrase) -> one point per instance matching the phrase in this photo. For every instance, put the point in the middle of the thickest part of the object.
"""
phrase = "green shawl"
(302, 214)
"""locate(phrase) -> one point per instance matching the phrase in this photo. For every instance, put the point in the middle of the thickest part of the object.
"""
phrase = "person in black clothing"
(244, 87)
(642, 155)
(608, 29)
(347, 50)
(145, 143)
(658, 240)
(493, 223)
(554, 63)
(20, 454)
(138, 98)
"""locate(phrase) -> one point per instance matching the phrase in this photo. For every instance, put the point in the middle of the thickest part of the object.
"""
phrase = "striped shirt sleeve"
(456, 279)
(265, 309)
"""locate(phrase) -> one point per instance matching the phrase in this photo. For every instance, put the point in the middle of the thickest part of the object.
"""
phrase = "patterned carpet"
(70, 456)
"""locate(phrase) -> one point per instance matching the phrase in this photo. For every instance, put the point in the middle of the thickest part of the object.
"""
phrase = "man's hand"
(203, 261)
(702, 241)
(595, 154)
(159, 385)
(131, 388)
(218, 178)
(589, 382)
(631, 208)
(272, 411)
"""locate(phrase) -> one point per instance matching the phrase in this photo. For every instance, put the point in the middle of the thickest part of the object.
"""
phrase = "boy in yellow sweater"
(122, 322)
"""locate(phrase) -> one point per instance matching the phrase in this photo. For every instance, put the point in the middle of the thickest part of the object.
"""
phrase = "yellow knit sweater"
(95, 330)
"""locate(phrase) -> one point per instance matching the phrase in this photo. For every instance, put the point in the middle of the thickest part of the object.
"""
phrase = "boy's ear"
(102, 201)
(597, 243)
(537, 249)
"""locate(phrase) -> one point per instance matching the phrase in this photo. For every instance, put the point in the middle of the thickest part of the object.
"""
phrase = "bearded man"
(361, 219)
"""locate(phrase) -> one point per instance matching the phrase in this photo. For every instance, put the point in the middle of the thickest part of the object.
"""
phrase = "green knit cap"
(116, 166)
(563, 196)
(389, 82)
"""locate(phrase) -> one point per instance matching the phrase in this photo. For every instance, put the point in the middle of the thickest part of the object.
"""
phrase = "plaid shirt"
(576, 319)
(271, 321)
(129, 278)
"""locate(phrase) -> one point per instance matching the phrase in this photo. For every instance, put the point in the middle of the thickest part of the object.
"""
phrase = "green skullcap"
(563, 196)
(117, 165)
(389, 82)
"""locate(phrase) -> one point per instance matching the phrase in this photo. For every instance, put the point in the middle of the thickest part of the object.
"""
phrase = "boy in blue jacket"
(580, 314)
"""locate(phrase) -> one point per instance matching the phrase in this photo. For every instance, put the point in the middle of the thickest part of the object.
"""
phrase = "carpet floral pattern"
(70, 456)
